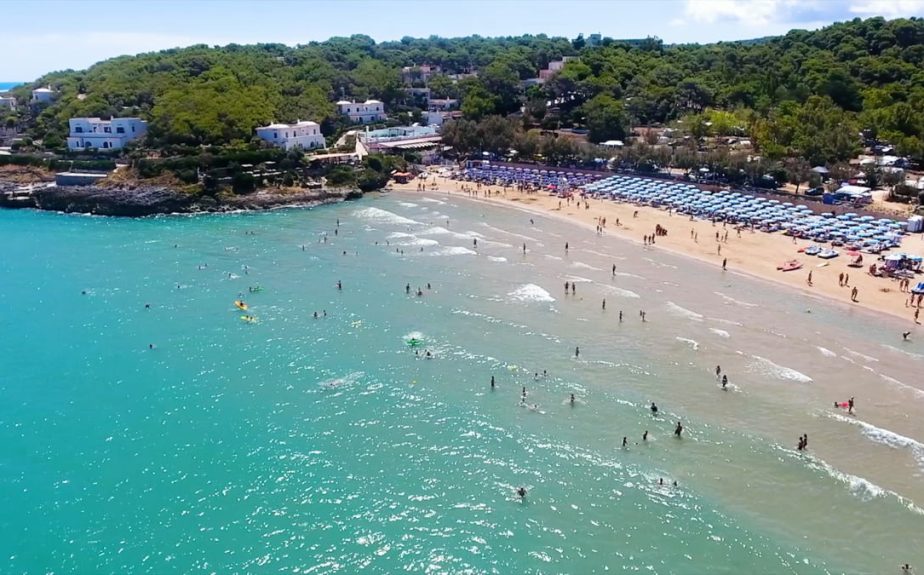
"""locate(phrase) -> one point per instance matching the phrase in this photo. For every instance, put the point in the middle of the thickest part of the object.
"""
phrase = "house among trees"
(302, 134)
(43, 95)
(114, 134)
(362, 113)
(7, 103)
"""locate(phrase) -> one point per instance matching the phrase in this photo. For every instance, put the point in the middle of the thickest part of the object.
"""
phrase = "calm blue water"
(8, 85)
(326, 445)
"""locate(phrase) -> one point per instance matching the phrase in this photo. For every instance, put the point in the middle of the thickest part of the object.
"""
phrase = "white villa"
(43, 95)
(302, 134)
(104, 134)
(363, 113)
(7, 103)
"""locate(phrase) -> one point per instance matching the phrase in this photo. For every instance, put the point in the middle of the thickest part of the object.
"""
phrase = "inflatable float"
(249, 318)
(789, 266)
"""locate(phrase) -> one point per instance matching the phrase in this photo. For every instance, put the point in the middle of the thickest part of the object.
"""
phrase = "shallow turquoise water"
(325, 445)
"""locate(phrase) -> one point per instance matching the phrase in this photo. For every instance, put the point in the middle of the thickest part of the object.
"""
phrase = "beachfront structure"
(301, 134)
(114, 134)
(7, 103)
(362, 113)
(43, 95)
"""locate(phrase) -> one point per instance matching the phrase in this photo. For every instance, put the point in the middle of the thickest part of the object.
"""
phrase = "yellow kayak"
(240, 304)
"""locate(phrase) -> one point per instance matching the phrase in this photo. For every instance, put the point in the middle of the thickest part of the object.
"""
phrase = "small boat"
(789, 266)
(856, 262)
(812, 251)
(827, 254)
(240, 305)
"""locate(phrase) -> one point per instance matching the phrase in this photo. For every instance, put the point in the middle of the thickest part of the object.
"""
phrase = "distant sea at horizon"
(4, 86)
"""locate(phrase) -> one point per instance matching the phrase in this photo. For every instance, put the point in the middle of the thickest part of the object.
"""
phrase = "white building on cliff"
(363, 113)
(86, 133)
(302, 134)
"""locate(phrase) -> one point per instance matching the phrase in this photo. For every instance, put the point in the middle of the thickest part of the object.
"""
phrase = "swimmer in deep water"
(521, 491)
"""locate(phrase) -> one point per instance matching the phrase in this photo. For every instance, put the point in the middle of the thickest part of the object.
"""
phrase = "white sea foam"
(730, 300)
(556, 258)
(826, 352)
(767, 367)
(903, 351)
(584, 266)
(405, 239)
(883, 436)
(452, 251)
(863, 356)
(531, 292)
(862, 487)
(502, 231)
(916, 391)
(383, 217)
(621, 292)
(578, 279)
(432, 201)
(726, 321)
(691, 342)
(628, 275)
(683, 312)
(497, 259)
(720, 332)
(407, 204)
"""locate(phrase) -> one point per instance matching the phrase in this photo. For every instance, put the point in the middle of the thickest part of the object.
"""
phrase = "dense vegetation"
(805, 94)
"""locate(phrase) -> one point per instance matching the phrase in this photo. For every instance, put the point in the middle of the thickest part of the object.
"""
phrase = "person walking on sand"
(840, 279)
(850, 406)
(853, 294)
(810, 279)
(724, 264)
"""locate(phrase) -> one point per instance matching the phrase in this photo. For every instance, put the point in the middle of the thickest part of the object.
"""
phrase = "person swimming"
(521, 491)
(725, 382)
(654, 408)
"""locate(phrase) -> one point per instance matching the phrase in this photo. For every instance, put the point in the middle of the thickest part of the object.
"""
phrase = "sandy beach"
(755, 253)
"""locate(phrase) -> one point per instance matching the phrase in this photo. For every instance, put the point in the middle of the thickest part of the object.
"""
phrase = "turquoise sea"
(4, 86)
(303, 445)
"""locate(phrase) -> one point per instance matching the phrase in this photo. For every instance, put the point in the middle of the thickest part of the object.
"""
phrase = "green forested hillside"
(806, 93)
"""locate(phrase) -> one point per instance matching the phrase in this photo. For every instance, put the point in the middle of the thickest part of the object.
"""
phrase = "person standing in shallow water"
(577, 352)
(678, 430)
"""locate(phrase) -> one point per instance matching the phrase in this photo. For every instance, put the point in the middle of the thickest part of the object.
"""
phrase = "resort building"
(7, 103)
(555, 66)
(422, 73)
(114, 134)
(301, 134)
(43, 95)
(362, 113)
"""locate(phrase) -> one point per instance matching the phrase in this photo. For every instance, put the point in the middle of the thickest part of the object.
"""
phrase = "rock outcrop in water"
(141, 200)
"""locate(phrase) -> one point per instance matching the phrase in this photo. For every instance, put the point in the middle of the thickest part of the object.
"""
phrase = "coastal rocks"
(141, 200)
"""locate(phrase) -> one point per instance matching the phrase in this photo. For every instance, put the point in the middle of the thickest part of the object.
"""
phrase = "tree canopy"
(808, 93)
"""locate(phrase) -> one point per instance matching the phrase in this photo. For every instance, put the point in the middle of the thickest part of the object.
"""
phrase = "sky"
(47, 35)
